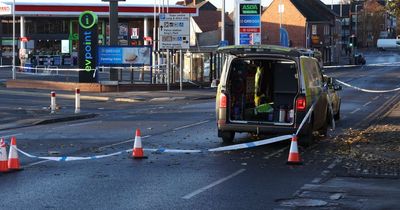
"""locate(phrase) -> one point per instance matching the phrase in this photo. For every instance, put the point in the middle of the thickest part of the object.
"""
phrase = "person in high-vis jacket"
(258, 93)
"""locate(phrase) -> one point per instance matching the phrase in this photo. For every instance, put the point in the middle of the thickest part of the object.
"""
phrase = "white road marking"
(123, 142)
(84, 123)
(375, 98)
(194, 193)
(191, 125)
(35, 163)
(368, 103)
(275, 153)
(356, 110)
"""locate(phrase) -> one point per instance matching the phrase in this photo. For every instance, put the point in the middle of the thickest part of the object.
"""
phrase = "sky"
(229, 3)
(217, 3)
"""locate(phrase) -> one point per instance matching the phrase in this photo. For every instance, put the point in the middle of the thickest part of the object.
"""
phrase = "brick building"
(208, 23)
(309, 23)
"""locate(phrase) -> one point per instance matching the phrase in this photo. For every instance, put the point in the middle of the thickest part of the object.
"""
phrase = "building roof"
(200, 4)
(209, 20)
(314, 10)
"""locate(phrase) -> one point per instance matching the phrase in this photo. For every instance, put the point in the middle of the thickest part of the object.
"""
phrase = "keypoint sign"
(88, 41)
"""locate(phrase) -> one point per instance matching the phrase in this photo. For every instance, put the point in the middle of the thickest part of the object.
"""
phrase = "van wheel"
(227, 136)
(307, 138)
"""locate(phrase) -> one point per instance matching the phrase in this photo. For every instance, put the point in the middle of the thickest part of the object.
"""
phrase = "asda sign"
(250, 9)
(88, 41)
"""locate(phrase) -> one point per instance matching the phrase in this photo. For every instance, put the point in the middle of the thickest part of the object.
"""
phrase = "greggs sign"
(88, 41)
(5, 9)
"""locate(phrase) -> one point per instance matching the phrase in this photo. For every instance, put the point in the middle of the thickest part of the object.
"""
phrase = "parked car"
(269, 89)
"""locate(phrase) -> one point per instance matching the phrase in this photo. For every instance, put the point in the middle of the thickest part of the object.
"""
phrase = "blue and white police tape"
(69, 158)
(6, 66)
(366, 90)
(165, 150)
(251, 144)
(368, 65)
(73, 158)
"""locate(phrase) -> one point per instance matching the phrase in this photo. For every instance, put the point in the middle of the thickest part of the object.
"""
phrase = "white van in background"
(385, 44)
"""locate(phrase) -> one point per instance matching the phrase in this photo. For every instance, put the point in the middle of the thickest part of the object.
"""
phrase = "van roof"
(260, 49)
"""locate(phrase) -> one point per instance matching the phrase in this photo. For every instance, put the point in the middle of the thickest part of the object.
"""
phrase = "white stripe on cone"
(13, 152)
(138, 142)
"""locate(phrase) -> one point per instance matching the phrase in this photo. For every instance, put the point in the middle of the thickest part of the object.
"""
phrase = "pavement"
(20, 117)
(365, 173)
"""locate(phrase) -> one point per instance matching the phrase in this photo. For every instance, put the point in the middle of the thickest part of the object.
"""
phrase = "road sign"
(174, 31)
(248, 22)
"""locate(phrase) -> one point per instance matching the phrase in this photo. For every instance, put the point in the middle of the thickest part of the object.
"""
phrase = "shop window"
(7, 25)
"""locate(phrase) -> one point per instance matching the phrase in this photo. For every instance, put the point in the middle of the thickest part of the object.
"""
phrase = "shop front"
(48, 32)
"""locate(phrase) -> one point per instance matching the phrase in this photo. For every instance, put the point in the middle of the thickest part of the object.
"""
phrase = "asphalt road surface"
(255, 178)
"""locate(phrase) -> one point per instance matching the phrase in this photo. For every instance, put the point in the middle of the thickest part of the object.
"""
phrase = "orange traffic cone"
(3, 156)
(294, 157)
(137, 152)
(13, 160)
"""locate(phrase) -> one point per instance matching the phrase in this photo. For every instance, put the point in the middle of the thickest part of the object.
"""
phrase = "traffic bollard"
(53, 105)
(77, 100)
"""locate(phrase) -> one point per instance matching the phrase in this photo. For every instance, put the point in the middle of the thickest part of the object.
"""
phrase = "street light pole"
(13, 43)
(223, 21)
(356, 19)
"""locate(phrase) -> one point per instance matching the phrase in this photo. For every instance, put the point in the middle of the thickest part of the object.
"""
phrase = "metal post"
(113, 22)
(154, 38)
(146, 29)
(356, 20)
(168, 62)
(53, 105)
(22, 43)
(280, 14)
(180, 69)
(223, 21)
(13, 43)
(77, 100)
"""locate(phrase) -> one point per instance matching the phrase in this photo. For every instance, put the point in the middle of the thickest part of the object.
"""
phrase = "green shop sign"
(250, 9)
(88, 19)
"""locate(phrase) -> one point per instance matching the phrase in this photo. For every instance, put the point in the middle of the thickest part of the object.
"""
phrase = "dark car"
(269, 89)
(359, 59)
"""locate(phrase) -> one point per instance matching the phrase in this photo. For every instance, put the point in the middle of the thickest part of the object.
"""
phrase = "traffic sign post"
(174, 31)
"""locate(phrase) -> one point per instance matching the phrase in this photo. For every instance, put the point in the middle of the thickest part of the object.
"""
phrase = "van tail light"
(301, 103)
(222, 101)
